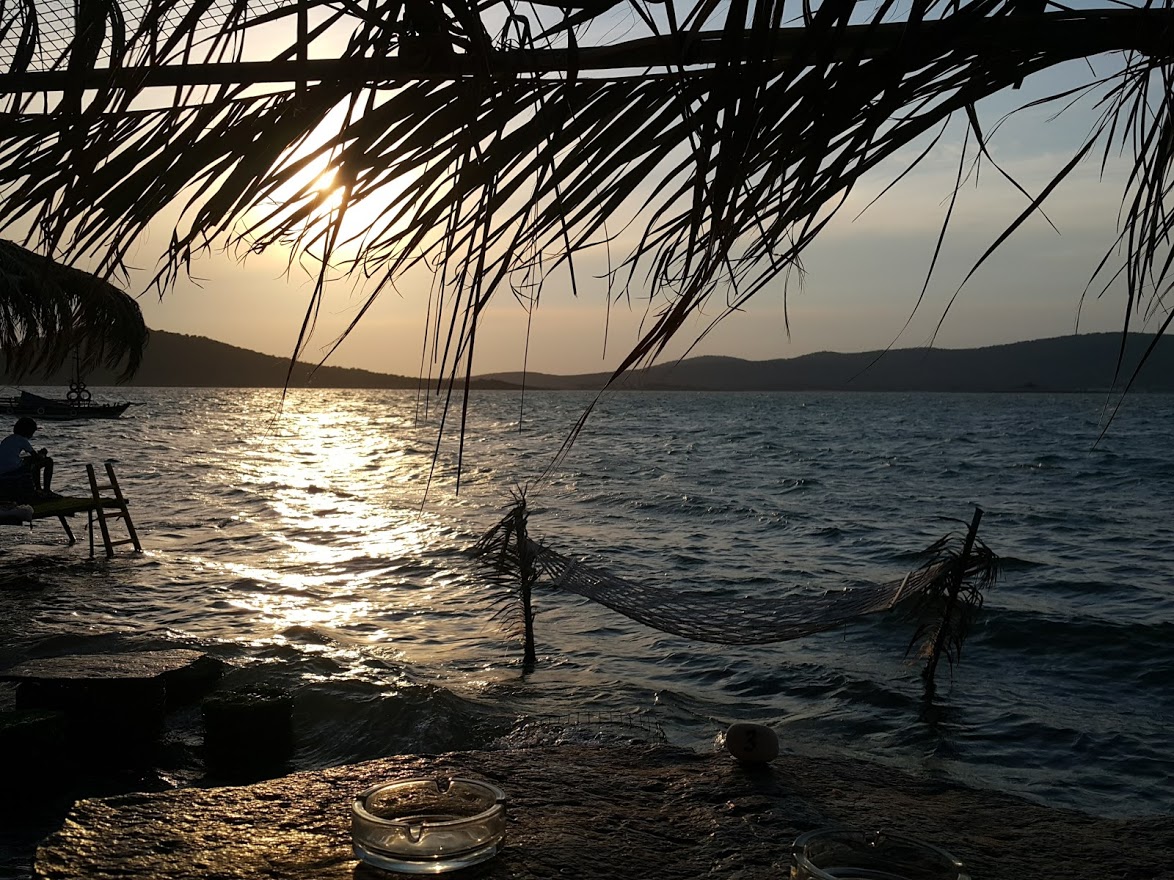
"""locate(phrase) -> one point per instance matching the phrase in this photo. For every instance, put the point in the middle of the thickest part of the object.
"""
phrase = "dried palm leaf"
(947, 607)
(490, 144)
(509, 555)
(50, 312)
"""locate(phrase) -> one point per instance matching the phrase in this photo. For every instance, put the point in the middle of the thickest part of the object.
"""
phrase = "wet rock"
(129, 665)
(112, 702)
(582, 812)
(248, 733)
(187, 674)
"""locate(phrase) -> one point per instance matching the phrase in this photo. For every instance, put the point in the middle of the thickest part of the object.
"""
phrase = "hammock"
(741, 620)
(706, 617)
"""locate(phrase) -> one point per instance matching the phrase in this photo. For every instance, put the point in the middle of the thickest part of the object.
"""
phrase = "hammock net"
(727, 620)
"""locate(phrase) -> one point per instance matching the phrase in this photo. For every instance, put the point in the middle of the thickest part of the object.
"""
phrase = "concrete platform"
(113, 699)
(171, 663)
(636, 812)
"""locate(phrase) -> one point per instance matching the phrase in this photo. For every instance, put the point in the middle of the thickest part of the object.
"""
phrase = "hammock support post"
(528, 575)
(952, 589)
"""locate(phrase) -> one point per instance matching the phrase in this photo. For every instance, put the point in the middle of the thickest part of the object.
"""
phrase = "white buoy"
(752, 743)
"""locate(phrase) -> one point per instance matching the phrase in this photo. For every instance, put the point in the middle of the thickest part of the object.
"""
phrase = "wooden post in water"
(527, 576)
(955, 584)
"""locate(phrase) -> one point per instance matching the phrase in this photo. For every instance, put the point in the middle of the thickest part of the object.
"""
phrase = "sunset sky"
(862, 278)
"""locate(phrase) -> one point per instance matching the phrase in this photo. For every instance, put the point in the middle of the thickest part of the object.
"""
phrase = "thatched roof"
(50, 312)
(494, 143)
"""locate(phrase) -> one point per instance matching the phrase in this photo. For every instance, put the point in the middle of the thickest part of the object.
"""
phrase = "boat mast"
(78, 394)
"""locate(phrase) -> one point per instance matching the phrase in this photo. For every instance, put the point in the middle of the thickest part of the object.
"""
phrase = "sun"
(328, 191)
(316, 201)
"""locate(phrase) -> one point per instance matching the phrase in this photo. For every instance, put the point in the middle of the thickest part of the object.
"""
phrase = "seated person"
(25, 473)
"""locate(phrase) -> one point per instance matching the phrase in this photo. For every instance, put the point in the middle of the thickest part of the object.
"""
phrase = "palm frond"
(509, 556)
(711, 150)
(946, 608)
(50, 312)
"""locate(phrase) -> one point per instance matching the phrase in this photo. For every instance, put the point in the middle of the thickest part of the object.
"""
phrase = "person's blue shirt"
(11, 448)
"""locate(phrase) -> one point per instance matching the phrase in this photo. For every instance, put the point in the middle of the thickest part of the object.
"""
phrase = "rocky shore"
(617, 811)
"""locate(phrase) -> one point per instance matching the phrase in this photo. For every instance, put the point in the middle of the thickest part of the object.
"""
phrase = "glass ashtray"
(851, 854)
(428, 826)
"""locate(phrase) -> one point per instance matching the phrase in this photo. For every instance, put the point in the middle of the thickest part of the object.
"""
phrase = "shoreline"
(619, 811)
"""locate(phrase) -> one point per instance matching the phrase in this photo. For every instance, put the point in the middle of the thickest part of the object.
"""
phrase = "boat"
(78, 402)
(76, 405)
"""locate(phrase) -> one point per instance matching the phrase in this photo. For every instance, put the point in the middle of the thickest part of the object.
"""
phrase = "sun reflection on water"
(321, 491)
(285, 611)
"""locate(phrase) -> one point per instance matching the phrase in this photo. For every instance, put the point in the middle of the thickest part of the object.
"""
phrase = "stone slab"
(638, 812)
(113, 702)
(137, 665)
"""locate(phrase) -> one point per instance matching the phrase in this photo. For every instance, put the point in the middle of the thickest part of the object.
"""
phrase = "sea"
(318, 542)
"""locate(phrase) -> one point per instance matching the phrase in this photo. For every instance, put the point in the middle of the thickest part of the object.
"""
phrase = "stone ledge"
(113, 702)
(129, 665)
(641, 812)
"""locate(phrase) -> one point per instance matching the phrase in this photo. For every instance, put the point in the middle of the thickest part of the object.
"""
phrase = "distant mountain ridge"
(1084, 362)
(179, 360)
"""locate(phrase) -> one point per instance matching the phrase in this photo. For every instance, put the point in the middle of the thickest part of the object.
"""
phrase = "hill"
(1083, 362)
(178, 360)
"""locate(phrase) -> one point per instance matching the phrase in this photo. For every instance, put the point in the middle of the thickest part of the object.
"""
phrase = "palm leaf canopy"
(493, 143)
(50, 312)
